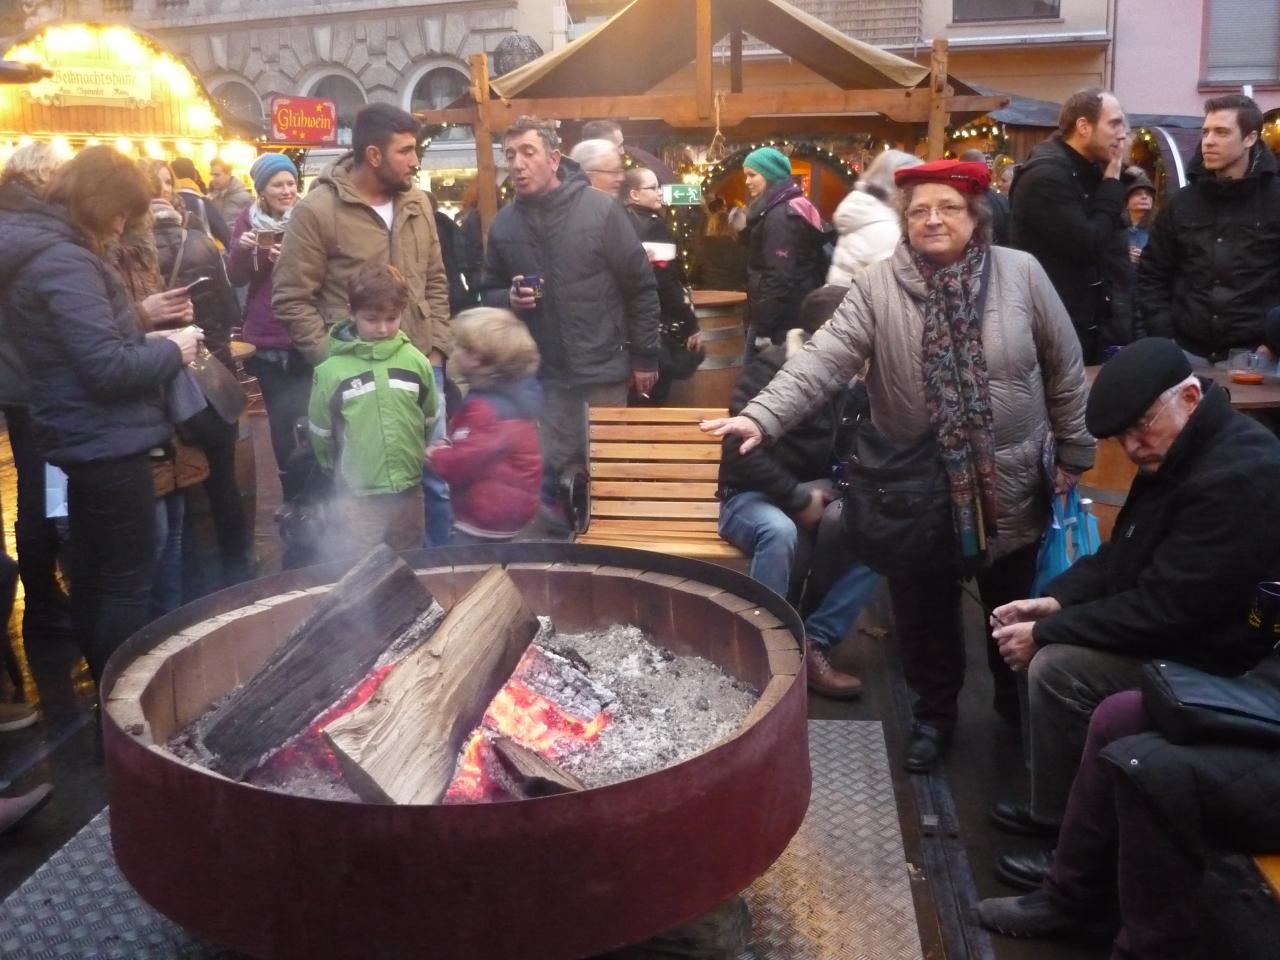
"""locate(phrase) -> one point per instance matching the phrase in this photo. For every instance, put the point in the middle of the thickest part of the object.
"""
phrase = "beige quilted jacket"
(1033, 358)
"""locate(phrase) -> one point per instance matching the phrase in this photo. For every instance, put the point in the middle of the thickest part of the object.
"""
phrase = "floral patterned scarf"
(957, 393)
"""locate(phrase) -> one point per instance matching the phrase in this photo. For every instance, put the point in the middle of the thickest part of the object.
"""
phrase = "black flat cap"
(1130, 381)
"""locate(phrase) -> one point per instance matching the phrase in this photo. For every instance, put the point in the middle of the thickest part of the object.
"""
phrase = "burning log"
(534, 774)
(327, 655)
(403, 743)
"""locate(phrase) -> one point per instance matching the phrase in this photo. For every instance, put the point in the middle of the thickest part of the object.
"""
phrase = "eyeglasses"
(945, 211)
(652, 186)
(1147, 422)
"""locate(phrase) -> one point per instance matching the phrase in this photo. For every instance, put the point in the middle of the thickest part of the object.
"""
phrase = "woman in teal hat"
(785, 236)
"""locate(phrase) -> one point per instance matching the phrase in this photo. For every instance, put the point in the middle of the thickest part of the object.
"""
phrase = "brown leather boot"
(826, 680)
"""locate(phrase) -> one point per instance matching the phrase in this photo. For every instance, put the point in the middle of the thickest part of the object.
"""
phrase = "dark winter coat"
(254, 269)
(492, 463)
(677, 322)
(216, 309)
(96, 381)
(785, 237)
(453, 254)
(1066, 215)
(15, 385)
(1222, 796)
(1190, 544)
(597, 319)
(1211, 269)
(804, 453)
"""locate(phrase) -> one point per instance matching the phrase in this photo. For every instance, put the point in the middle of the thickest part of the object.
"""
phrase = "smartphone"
(269, 238)
(199, 286)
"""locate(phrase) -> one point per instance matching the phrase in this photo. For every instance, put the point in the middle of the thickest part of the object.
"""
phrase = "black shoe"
(1025, 871)
(1031, 915)
(1013, 817)
(927, 748)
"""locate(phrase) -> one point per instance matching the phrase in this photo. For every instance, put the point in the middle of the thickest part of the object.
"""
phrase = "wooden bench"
(1269, 866)
(652, 480)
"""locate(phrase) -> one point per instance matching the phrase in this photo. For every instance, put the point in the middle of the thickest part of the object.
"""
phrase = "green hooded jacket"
(372, 406)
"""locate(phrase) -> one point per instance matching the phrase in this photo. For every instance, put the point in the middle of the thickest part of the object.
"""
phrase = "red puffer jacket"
(492, 462)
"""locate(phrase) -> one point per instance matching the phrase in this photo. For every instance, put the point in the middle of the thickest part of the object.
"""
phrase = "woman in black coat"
(785, 237)
(678, 332)
(185, 255)
(96, 398)
(1142, 815)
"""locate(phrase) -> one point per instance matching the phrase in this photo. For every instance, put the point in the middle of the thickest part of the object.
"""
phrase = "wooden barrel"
(721, 320)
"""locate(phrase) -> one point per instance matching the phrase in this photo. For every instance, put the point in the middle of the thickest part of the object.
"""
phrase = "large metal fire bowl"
(279, 876)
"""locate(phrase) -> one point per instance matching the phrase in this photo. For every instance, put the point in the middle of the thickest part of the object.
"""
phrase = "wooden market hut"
(631, 65)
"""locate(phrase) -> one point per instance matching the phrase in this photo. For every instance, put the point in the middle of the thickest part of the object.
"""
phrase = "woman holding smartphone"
(283, 375)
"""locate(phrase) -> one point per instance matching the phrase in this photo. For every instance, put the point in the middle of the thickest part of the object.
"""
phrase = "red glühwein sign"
(304, 120)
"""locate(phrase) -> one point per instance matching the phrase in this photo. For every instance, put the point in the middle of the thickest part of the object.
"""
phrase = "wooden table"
(717, 298)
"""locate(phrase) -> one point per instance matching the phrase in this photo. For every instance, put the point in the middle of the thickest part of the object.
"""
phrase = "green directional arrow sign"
(682, 194)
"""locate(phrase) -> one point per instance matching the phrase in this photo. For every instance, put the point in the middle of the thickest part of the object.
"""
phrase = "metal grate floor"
(840, 891)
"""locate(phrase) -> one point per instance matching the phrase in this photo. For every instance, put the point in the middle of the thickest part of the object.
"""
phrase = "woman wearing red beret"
(968, 344)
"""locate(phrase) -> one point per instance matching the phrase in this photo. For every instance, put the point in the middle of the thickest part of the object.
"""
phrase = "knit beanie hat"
(771, 164)
(267, 166)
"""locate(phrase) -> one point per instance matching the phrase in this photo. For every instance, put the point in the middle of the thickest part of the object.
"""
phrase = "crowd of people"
(937, 327)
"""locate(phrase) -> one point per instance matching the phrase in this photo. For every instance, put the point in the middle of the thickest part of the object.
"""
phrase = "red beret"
(971, 177)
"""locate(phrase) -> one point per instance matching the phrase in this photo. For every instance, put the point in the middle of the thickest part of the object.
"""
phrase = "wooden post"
(735, 59)
(939, 115)
(704, 95)
(486, 172)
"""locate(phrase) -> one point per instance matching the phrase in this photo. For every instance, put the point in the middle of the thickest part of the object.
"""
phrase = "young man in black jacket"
(593, 309)
(1210, 271)
(1197, 532)
(774, 498)
(1066, 201)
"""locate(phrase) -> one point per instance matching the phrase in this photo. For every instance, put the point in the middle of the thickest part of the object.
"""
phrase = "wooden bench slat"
(697, 453)
(673, 527)
(681, 548)
(651, 432)
(656, 414)
(1269, 867)
(676, 509)
(617, 470)
(650, 490)
(642, 531)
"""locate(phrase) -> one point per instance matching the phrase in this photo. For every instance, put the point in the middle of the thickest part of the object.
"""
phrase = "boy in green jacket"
(372, 404)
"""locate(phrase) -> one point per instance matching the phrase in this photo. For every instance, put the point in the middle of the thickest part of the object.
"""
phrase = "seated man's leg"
(756, 526)
(838, 610)
(1066, 684)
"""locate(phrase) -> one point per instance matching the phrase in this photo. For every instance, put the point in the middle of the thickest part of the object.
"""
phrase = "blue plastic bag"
(1073, 534)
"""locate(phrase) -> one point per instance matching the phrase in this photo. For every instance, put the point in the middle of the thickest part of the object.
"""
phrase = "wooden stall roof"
(613, 59)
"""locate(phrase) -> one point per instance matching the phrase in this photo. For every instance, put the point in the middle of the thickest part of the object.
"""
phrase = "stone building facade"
(407, 52)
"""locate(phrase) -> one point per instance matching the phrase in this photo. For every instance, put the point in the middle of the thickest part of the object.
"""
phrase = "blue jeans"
(166, 588)
(758, 527)
(439, 511)
(839, 609)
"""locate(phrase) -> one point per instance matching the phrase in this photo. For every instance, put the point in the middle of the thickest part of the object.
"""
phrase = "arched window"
(240, 101)
(348, 98)
(436, 89)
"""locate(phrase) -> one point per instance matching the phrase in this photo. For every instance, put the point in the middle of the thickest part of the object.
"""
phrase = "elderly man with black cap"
(1197, 532)
(973, 371)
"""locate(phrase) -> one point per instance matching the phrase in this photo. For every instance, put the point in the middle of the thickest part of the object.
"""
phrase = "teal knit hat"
(769, 163)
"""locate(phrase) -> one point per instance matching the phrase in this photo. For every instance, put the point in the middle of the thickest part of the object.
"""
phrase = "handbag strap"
(182, 249)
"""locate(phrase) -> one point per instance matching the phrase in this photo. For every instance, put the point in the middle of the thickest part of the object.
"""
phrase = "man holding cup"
(566, 259)
(1197, 532)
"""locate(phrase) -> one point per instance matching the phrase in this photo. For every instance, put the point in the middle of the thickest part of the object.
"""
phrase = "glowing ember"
(531, 719)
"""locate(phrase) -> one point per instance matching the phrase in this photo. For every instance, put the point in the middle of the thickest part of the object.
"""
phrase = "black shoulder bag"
(897, 512)
(1192, 706)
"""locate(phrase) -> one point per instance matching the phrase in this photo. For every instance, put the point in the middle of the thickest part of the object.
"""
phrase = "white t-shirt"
(386, 211)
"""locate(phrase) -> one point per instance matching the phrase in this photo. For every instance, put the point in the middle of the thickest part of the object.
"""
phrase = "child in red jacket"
(491, 460)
